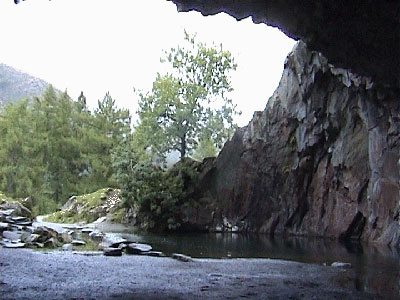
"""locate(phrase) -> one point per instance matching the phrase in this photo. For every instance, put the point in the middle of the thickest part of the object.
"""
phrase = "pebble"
(182, 257)
(343, 265)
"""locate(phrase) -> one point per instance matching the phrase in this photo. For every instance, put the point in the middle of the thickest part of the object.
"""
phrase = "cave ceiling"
(360, 35)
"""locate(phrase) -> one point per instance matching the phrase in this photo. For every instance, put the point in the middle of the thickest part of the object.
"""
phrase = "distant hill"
(16, 85)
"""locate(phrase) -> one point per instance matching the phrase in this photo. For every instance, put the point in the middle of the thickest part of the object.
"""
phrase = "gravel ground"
(28, 274)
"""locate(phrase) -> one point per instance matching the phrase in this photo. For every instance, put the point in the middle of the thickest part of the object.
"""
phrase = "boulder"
(135, 248)
(52, 243)
(112, 252)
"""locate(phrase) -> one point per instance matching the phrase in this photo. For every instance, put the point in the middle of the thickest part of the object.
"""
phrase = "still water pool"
(374, 268)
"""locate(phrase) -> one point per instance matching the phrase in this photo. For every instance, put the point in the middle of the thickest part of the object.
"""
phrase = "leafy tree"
(205, 148)
(191, 103)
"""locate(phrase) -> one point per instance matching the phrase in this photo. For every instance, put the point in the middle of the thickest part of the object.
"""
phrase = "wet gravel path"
(28, 274)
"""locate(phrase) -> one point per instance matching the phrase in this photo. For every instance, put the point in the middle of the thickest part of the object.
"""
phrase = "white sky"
(114, 45)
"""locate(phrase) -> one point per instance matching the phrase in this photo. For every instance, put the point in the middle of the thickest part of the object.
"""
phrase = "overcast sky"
(114, 45)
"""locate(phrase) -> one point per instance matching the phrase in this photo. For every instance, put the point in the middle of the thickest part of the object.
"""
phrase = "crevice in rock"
(355, 229)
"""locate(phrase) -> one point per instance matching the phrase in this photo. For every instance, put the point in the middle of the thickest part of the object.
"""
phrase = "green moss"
(118, 215)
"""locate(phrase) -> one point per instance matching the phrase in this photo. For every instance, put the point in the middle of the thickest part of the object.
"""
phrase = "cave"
(361, 36)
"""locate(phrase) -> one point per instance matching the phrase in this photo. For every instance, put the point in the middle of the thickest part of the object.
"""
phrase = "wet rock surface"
(321, 160)
(26, 274)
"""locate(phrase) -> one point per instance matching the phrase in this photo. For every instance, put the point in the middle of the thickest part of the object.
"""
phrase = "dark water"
(374, 268)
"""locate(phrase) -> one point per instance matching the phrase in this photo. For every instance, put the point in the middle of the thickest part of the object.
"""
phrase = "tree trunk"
(183, 147)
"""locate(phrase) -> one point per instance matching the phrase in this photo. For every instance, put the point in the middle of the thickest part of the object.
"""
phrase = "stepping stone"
(113, 240)
(135, 248)
(78, 243)
(154, 253)
(12, 245)
(112, 252)
(182, 257)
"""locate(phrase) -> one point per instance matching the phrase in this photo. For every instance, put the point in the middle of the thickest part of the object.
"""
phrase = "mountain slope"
(16, 85)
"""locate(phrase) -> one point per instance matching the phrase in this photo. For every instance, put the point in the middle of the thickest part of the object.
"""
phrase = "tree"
(191, 103)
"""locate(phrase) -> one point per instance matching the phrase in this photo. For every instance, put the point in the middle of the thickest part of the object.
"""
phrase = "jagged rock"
(52, 243)
(182, 257)
(135, 248)
(15, 209)
(320, 160)
(3, 226)
(29, 238)
(38, 245)
(112, 252)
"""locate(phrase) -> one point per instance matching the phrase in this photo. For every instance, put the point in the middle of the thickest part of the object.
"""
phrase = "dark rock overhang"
(360, 35)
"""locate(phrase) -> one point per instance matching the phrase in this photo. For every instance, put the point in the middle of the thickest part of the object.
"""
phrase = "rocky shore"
(29, 274)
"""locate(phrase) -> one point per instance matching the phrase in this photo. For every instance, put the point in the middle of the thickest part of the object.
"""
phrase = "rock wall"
(321, 160)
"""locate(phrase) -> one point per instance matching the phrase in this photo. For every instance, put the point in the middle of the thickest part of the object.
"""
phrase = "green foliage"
(191, 103)
(55, 147)
(155, 194)
(205, 148)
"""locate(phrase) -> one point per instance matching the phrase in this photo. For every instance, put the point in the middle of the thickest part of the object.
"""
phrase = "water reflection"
(375, 268)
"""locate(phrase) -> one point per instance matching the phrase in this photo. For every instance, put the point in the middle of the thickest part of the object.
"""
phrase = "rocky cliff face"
(15, 85)
(321, 160)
